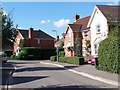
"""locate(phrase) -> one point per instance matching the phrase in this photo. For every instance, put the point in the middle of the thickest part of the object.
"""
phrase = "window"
(38, 41)
(98, 28)
(86, 33)
(69, 36)
(18, 41)
(95, 46)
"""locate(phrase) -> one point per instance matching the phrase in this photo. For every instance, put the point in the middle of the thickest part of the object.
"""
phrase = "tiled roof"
(24, 33)
(75, 27)
(83, 22)
(36, 34)
(110, 12)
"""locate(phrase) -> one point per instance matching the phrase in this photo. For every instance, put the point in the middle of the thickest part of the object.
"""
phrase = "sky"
(48, 16)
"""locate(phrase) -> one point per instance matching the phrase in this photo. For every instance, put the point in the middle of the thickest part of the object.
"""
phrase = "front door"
(71, 53)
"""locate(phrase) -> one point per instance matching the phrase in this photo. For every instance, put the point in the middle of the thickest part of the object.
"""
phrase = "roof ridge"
(84, 17)
(109, 5)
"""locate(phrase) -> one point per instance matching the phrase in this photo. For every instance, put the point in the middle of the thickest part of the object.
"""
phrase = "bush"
(61, 54)
(13, 57)
(22, 55)
(31, 53)
(109, 52)
(72, 60)
(53, 58)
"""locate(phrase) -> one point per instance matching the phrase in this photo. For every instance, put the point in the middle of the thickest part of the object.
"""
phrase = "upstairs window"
(69, 36)
(85, 33)
(98, 28)
(38, 41)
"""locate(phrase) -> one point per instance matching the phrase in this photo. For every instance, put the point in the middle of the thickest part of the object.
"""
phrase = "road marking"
(86, 75)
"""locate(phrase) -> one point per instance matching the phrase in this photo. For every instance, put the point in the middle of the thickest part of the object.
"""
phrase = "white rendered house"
(98, 23)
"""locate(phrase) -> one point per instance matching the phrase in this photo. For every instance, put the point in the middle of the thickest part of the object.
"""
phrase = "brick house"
(99, 24)
(76, 32)
(33, 38)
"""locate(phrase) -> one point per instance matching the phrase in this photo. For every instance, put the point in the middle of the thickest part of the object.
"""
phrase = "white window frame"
(18, 41)
(86, 34)
(38, 41)
(69, 36)
(98, 28)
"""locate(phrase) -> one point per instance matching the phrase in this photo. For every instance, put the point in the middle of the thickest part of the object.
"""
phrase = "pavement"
(88, 71)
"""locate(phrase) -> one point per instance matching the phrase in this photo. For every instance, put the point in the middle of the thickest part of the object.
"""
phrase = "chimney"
(57, 38)
(30, 33)
(76, 17)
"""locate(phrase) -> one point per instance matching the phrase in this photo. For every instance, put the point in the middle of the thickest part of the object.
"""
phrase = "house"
(33, 38)
(99, 24)
(75, 36)
(59, 43)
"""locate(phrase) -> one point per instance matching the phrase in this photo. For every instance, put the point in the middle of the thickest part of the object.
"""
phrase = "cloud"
(61, 23)
(44, 21)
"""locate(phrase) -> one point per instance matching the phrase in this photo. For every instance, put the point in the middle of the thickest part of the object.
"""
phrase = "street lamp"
(57, 48)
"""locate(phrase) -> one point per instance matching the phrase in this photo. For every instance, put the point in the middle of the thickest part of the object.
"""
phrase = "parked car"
(3, 57)
(91, 60)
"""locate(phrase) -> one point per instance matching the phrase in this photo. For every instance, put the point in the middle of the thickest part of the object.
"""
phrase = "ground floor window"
(96, 48)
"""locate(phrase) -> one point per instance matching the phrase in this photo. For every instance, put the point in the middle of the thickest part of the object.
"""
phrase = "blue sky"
(48, 16)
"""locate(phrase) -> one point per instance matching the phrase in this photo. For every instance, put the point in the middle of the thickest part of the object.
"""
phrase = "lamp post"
(57, 48)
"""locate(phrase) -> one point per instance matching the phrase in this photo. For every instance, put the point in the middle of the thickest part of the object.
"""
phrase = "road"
(33, 75)
(6, 71)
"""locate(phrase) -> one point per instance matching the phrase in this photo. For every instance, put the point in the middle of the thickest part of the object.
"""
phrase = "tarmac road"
(33, 75)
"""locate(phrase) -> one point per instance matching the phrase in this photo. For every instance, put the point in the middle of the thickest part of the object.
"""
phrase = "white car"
(3, 57)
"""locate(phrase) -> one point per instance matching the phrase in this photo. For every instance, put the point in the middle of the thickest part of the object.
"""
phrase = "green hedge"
(31, 53)
(109, 52)
(72, 60)
(53, 58)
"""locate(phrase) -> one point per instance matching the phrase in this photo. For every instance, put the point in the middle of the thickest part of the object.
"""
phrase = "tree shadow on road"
(71, 67)
(24, 79)
(38, 69)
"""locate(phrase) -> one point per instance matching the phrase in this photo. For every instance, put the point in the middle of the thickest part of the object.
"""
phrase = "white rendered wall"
(98, 18)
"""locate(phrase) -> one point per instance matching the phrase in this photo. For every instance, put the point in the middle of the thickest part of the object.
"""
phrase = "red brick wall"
(45, 44)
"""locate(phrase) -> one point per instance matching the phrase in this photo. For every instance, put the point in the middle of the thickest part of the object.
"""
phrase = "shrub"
(22, 55)
(13, 57)
(61, 54)
(53, 58)
(109, 52)
(72, 60)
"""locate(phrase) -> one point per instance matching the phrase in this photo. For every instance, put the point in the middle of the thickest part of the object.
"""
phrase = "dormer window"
(98, 28)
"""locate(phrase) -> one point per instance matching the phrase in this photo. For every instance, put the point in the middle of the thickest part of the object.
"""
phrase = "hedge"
(31, 53)
(53, 58)
(109, 52)
(9, 53)
(72, 60)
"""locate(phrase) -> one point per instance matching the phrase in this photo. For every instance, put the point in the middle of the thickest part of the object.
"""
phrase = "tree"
(1, 29)
(88, 46)
(77, 48)
(8, 31)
